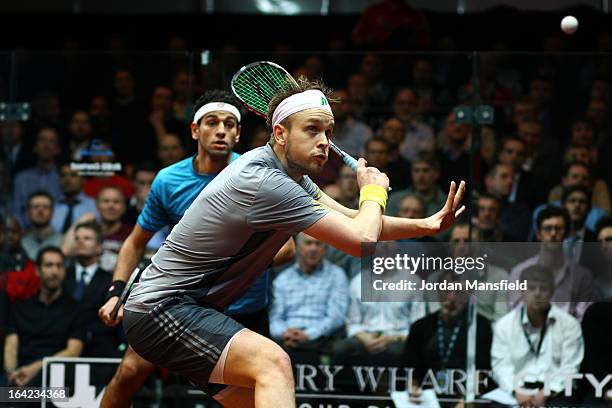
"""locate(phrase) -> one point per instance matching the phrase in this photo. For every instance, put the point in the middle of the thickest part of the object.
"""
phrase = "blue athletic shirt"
(173, 190)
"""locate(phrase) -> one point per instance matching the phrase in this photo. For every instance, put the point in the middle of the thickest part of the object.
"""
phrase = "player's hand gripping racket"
(126, 292)
(257, 83)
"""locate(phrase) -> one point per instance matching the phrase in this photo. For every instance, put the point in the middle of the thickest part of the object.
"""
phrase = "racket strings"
(258, 84)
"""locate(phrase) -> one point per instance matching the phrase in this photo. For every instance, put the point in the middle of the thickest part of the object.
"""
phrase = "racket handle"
(346, 158)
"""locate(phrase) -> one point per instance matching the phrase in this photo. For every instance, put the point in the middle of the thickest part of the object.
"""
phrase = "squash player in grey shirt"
(228, 237)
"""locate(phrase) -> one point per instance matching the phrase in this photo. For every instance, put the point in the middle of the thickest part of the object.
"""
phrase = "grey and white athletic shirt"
(230, 233)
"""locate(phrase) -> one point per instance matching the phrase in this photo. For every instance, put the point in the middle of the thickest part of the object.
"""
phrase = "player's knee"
(278, 362)
(131, 370)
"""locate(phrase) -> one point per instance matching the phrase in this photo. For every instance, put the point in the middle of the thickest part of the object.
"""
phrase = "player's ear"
(280, 134)
(194, 130)
(237, 138)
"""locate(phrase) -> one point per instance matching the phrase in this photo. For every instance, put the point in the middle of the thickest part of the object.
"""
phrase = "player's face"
(307, 142)
(217, 133)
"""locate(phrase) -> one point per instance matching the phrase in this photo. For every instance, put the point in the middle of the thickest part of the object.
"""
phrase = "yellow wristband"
(373, 192)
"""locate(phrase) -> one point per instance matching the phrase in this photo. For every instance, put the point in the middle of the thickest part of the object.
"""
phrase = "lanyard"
(536, 352)
(445, 352)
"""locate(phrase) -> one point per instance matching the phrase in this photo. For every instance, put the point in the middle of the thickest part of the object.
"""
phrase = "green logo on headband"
(323, 101)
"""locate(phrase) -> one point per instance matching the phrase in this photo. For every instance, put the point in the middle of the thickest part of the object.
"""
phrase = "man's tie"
(79, 289)
(68, 219)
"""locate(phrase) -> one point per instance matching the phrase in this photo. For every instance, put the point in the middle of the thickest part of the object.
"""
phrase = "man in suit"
(87, 283)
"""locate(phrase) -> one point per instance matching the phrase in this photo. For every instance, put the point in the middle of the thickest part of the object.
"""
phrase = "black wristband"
(116, 289)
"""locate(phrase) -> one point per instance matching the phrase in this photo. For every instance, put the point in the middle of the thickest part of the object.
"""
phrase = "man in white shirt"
(537, 344)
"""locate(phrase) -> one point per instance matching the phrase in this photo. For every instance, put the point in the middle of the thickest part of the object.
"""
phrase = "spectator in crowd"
(398, 168)
(18, 153)
(128, 114)
(513, 151)
(74, 203)
(40, 211)
(454, 151)
(536, 342)
(573, 284)
(543, 161)
(88, 283)
(432, 97)
(170, 150)
(419, 136)
(523, 110)
(357, 88)
(490, 304)
(42, 326)
(425, 171)
(19, 280)
(540, 93)
(80, 133)
(181, 90)
(349, 189)
(438, 342)
(411, 206)
(43, 176)
(161, 116)
(577, 201)
(598, 111)
(376, 330)
(350, 134)
(371, 67)
(143, 178)
(100, 116)
(487, 221)
(576, 174)
(515, 217)
(377, 153)
(309, 300)
(578, 171)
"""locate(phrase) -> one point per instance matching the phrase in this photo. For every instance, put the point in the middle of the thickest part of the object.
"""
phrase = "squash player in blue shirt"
(216, 127)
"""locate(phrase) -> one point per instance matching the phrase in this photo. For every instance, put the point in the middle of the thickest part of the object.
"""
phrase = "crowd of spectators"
(540, 172)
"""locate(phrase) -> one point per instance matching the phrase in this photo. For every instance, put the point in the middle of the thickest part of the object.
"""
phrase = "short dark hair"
(604, 222)
(303, 84)
(217, 95)
(47, 249)
(40, 193)
(567, 191)
(551, 211)
(427, 157)
(573, 163)
(538, 273)
(95, 227)
(376, 139)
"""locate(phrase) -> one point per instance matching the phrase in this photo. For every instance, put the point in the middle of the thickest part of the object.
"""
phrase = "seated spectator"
(42, 326)
(515, 216)
(349, 189)
(309, 300)
(376, 153)
(573, 284)
(536, 342)
(425, 170)
(43, 176)
(143, 179)
(170, 150)
(419, 136)
(111, 206)
(40, 211)
(513, 151)
(490, 304)
(19, 280)
(88, 284)
(577, 201)
(601, 194)
(576, 174)
(80, 133)
(350, 134)
(376, 331)
(487, 221)
(438, 342)
(74, 203)
(18, 154)
(453, 153)
(398, 168)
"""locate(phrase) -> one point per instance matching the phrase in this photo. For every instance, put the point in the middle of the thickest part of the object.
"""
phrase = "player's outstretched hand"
(444, 218)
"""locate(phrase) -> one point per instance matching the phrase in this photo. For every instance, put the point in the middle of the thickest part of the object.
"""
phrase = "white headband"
(310, 99)
(216, 106)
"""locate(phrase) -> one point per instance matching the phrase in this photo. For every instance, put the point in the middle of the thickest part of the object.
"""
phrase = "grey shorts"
(183, 336)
